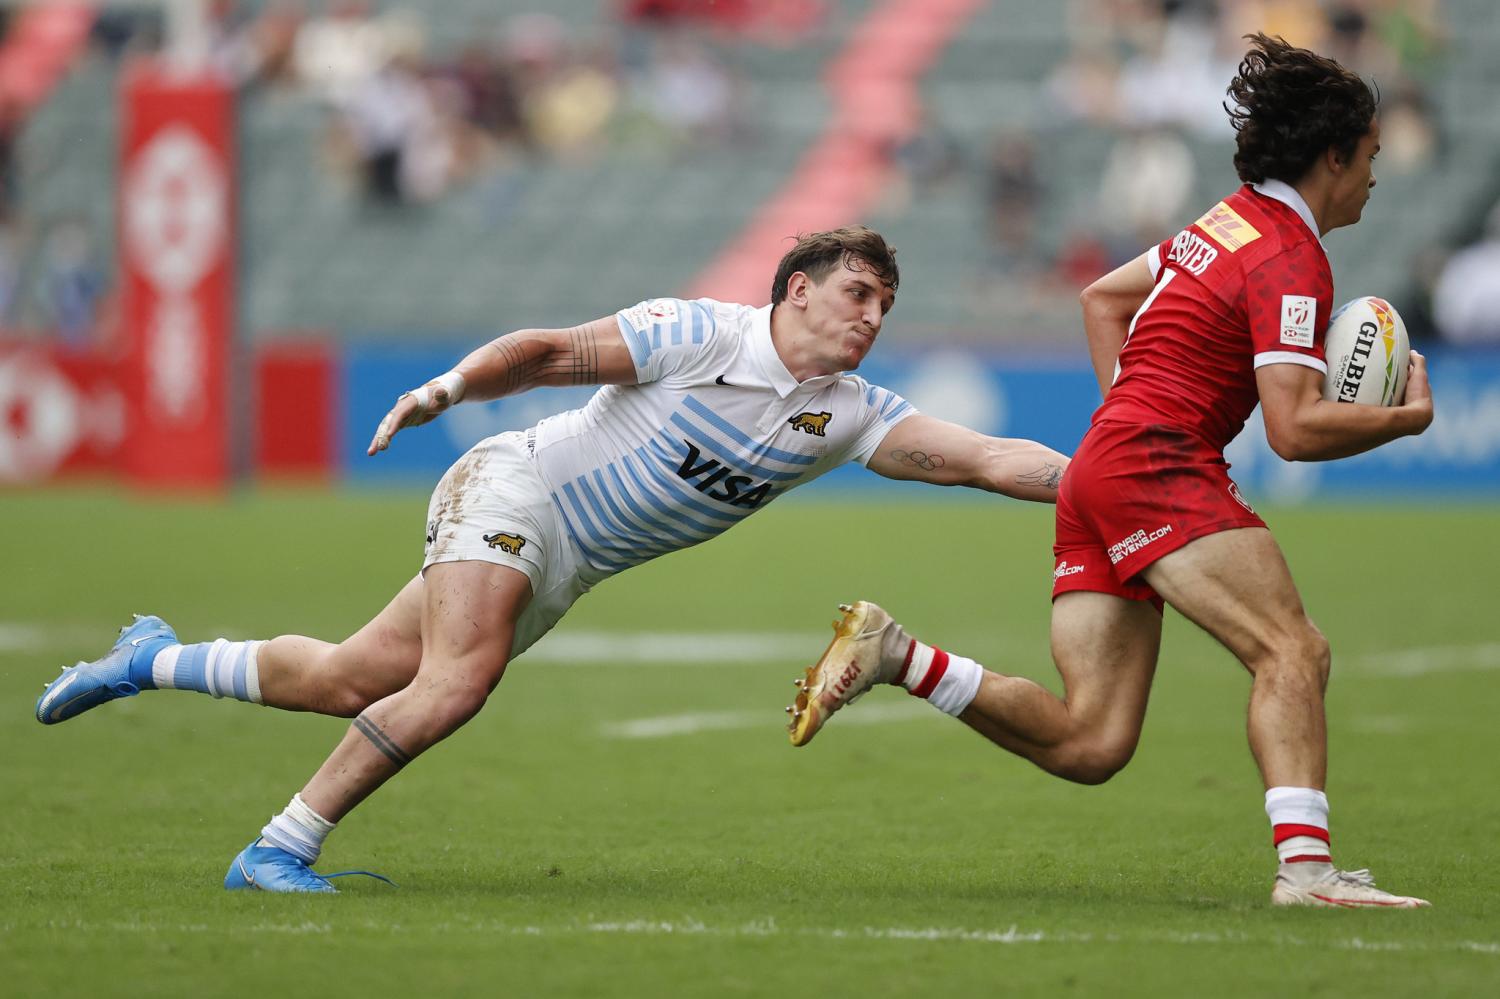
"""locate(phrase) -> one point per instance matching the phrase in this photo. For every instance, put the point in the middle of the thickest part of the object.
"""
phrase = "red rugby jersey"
(1246, 285)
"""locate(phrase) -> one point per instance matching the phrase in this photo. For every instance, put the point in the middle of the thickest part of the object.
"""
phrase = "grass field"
(626, 817)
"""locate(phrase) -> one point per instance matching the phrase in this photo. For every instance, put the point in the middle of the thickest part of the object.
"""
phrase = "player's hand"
(417, 407)
(1418, 393)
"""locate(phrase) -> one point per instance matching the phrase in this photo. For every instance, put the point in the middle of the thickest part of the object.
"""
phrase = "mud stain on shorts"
(454, 494)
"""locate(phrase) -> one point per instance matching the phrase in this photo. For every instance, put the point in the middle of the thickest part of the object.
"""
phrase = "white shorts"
(492, 506)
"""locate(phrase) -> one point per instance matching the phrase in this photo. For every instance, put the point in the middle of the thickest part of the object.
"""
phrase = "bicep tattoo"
(925, 460)
(1048, 476)
(387, 746)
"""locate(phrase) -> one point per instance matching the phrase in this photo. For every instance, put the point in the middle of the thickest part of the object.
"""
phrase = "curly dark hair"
(1290, 106)
(816, 254)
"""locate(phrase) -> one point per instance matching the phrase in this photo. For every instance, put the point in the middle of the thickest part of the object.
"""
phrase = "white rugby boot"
(1326, 885)
(868, 647)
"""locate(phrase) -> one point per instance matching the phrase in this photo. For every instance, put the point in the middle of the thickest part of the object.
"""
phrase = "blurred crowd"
(410, 123)
(409, 120)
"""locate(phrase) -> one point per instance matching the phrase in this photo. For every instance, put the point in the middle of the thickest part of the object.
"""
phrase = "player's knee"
(1092, 762)
(452, 705)
(1319, 655)
(1300, 657)
(348, 700)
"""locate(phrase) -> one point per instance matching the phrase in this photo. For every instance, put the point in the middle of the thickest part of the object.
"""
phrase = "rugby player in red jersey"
(1185, 340)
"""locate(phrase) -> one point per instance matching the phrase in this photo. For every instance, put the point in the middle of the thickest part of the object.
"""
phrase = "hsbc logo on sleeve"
(1297, 315)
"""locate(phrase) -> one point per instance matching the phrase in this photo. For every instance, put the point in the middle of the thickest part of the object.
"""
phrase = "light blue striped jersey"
(716, 429)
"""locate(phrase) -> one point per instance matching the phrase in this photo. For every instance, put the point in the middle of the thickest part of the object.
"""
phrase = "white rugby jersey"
(716, 429)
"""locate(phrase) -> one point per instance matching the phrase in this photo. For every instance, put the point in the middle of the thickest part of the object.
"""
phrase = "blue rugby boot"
(269, 868)
(124, 672)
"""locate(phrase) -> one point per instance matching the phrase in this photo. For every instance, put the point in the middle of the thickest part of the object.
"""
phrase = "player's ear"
(1336, 161)
(796, 289)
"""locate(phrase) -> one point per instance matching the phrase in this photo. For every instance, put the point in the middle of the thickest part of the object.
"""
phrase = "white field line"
(1430, 659)
(664, 726)
(722, 648)
(662, 648)
(763, 928)
(19, 637)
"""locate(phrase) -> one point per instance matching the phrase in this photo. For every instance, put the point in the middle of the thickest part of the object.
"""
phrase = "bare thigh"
(1106, 648)
(383, 656)
(1236, 586)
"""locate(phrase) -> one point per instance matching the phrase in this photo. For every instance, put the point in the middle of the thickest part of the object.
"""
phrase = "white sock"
(948, 682)
(298, 830)
(220, 668)
(1299, 824)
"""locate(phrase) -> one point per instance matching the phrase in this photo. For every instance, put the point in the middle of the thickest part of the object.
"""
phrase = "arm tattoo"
(382, 742)
(919, 459)
(578, 364)
(1048, 476)
(583, 366)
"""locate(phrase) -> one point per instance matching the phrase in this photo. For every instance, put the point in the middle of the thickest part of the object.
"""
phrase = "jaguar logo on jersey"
(811, 423)
(713, 479)
(511, 544)
(1225, 227)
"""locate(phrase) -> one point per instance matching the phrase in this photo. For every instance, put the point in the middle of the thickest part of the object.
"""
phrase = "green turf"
(539, 853)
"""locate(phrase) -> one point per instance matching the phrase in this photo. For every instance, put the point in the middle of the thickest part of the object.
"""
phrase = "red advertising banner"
(176, 221)
(61, 412)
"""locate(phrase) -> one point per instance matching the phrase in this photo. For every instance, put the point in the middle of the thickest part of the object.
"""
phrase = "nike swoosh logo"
(50, 707)
(249, 877)
(720, 381)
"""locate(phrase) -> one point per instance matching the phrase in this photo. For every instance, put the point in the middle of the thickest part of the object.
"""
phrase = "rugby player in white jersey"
(709, 411)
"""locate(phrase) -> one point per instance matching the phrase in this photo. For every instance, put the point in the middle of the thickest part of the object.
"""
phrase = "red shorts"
(1132, 494)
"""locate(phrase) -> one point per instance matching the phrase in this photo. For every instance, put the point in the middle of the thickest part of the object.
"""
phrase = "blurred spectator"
(390, 119)
(569, 92)
(73, 282)
(687, 90)
(490, 93)
(1013, 192)
(1180, 75)
(1084, 86)
(1148, 179)
(12, 118)
(337, 53)
(1409, 139)
(1466, 299)
(256, 49)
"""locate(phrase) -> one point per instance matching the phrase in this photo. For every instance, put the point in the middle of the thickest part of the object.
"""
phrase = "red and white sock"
(947, 682)
(1299, 824)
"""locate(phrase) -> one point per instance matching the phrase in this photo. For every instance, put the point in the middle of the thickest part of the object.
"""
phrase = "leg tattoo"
(381, 741)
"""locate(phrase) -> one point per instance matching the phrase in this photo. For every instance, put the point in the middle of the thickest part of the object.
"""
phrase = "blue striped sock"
(220, 668)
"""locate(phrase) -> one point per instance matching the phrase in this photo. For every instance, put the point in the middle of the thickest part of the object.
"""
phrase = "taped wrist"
(452, 381)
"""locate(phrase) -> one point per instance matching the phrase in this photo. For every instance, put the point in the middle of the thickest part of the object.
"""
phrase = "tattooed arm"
(593, 354)
(946, 454)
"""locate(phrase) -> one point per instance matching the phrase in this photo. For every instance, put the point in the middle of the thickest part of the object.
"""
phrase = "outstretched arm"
(593, 354)
(931, 450)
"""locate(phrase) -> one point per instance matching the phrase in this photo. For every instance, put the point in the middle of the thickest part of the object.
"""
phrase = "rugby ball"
(1367, 351)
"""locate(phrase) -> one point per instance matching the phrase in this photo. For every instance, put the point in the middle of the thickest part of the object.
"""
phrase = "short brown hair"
(1290, 106)
(816, 254)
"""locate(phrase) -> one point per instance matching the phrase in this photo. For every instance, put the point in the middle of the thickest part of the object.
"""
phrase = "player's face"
(845, 313)
(1357, 179)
